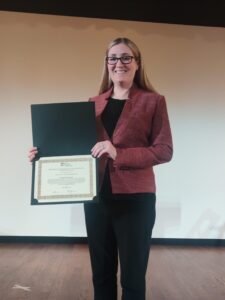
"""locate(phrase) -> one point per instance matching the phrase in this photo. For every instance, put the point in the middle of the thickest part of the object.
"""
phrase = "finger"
(98, 152)
(33, 149)
(95, 150)
(31, 157)
(101, 152)
(97, 146)
(32, 153)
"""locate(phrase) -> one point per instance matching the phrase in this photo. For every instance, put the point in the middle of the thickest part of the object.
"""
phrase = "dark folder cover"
(61, 129)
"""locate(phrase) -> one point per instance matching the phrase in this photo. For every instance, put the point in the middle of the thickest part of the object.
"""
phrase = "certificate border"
(64, 199)
(41, 162)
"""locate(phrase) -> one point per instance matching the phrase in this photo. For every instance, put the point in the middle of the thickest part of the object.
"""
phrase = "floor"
(62, 272)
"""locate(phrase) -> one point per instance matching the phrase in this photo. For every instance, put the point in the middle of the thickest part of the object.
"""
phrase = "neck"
(120, 92)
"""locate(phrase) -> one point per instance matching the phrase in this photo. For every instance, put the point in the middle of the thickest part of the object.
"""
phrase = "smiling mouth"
(120, 71)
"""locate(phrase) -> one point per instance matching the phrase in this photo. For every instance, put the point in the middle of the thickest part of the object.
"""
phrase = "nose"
(119, 62)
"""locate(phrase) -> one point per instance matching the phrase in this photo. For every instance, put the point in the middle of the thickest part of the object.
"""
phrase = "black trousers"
(120, 224)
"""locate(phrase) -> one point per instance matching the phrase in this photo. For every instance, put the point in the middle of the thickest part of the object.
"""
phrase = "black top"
(110, 117)
(111, 114)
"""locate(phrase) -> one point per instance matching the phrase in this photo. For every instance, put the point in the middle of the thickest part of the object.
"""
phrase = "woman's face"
(121, 73)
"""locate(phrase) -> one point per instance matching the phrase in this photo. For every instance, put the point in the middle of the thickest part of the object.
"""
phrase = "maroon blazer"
(142, 138)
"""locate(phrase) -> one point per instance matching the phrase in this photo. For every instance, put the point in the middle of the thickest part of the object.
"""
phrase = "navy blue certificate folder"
(62, 129)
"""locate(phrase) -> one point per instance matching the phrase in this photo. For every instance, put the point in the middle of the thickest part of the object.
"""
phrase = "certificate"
(65, 179)
(64, 170)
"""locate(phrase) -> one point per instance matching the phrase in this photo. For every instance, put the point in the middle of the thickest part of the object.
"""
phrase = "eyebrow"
(122, 54)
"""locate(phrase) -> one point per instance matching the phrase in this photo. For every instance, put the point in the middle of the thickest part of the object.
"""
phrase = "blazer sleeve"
(160, 149)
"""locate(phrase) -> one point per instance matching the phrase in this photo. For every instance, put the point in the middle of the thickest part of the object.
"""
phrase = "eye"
(111, 59)
(126, 58)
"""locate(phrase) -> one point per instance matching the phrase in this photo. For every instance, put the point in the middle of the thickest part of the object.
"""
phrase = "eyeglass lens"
(124, 59)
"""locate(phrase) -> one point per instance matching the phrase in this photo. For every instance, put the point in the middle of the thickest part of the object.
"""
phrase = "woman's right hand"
(32, 153)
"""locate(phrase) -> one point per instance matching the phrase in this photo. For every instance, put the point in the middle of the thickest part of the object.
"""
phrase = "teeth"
(120, 71)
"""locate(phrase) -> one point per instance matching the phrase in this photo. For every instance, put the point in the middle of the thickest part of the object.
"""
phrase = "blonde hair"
(140, 78)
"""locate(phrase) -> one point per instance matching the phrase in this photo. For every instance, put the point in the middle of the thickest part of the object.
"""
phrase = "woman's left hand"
(104, 147)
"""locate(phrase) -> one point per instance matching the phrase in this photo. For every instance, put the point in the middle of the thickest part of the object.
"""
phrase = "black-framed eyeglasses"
(112, 60)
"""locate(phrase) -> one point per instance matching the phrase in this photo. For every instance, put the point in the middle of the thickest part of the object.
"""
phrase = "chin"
(121, 80)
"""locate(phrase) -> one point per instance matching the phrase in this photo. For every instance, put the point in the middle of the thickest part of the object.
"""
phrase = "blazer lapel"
(99, 108)
(102, 102)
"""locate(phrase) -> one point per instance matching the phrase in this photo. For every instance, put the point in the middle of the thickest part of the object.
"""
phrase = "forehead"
(120, 49)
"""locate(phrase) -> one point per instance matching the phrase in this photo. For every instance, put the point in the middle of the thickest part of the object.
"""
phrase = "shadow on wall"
(209, 225)
(211, 34)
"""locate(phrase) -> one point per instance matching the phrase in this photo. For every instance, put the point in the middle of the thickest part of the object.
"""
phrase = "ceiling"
(202, 13)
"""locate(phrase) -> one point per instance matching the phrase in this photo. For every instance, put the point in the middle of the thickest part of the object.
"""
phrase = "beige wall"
(47, 59)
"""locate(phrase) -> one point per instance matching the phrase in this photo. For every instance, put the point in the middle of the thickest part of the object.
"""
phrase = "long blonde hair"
(140, 78)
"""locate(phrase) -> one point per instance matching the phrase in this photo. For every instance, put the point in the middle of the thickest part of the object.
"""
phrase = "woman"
(133, 136)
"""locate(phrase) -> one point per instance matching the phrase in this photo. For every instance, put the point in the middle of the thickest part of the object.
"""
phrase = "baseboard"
(189, 242)
(83, 240)
(43, 239)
